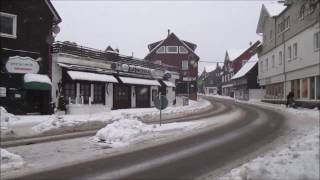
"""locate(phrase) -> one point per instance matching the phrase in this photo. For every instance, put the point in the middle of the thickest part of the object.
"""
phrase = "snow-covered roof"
(169, 84)
(37, 78)
(86, 76)
(234, 53)
(131, 80)
(246, 67)
(269, 10)
(274, 9)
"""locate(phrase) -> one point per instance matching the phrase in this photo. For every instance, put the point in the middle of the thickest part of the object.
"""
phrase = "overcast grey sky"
(214, 26)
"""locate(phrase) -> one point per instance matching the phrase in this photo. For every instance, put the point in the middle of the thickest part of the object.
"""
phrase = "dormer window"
(172, 49)
(161, 50)
(182, 50)
(8, 26)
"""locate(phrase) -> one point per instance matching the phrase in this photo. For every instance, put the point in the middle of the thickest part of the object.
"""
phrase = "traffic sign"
(161, 102)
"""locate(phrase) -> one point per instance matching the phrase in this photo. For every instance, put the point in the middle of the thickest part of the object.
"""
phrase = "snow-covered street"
(293, 155)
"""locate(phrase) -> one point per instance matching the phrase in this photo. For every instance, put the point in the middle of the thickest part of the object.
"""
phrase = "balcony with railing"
(111, 56)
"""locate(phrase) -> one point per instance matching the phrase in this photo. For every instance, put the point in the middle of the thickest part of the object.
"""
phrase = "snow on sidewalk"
(9, 160)
(293, 157)
(298, 160)
(122, 132)
(76, 122)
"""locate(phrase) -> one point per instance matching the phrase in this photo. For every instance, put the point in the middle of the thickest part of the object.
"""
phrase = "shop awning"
(37, 82)
(139, 81)
(169, 84)
(86, 76)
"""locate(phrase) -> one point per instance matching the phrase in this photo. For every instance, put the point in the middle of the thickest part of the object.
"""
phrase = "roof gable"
(171, 36)
(246, 67)
(269, 11)
(56, 18)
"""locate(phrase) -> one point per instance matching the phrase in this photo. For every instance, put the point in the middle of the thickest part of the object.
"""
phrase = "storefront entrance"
(121, 96)
(142, 96)
(37, 102)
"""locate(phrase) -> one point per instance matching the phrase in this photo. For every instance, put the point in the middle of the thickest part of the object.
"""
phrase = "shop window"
(312, 88)
(85, 92)
(98, 93)
(69, 91)
(304, 88)
(8, 26)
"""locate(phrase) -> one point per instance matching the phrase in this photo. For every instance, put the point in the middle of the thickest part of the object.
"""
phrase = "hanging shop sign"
(22, 65)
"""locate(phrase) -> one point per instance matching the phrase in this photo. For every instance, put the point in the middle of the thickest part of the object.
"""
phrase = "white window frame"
(280, 57)
(161, 52)
(167, 48)
(14, 25)
(295, 50)
(289, 49)
(185, 65)
(183, 52)
(267, 64)
(273, 61)
(316, 41)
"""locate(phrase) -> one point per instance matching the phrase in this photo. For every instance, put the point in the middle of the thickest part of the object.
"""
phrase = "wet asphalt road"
(186, 158)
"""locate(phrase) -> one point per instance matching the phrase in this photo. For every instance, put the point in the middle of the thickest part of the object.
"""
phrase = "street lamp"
(193, 64)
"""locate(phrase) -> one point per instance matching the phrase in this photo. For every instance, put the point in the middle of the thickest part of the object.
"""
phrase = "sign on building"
(22, 65)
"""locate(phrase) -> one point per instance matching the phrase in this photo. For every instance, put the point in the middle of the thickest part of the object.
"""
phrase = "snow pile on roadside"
(9, 160)
(219, 96)
(122, 132)
(312, 113)
(5, 119)
(298, 160)
(72, 123)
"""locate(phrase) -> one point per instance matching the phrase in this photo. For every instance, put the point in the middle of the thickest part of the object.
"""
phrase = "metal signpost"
(161, 102)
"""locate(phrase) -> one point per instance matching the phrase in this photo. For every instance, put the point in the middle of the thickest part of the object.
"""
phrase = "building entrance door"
(121, 96)
(37, 102)
(142, 96)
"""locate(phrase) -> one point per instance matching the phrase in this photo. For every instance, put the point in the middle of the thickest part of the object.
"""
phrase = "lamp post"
(193, 64)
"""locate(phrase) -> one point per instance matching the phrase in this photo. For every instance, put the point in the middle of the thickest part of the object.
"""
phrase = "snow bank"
(295, 158)
(311, 113)
(71, 123)
(220, 96)
(299, 160)
(9, 160)
(5, 119)
(124, 131)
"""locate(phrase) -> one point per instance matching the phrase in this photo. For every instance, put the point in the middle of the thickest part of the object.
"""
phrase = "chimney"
(250, 43)
(168, 32)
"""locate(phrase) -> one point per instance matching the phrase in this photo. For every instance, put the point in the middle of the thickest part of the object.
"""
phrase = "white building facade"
(289, 59)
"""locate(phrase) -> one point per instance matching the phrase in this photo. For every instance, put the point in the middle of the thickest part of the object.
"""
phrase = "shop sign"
(189, 78)
(23, 65)
(142, 70)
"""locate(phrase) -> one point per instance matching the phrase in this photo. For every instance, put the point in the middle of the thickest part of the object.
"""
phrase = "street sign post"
(161, 102)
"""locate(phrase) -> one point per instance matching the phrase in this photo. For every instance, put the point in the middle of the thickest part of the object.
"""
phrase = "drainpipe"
(284, 64)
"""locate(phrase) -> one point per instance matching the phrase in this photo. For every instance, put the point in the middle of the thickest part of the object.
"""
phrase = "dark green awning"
(37, 82)
(37, 86)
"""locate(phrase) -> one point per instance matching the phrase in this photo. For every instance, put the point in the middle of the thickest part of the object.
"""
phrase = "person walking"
(290, 100)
